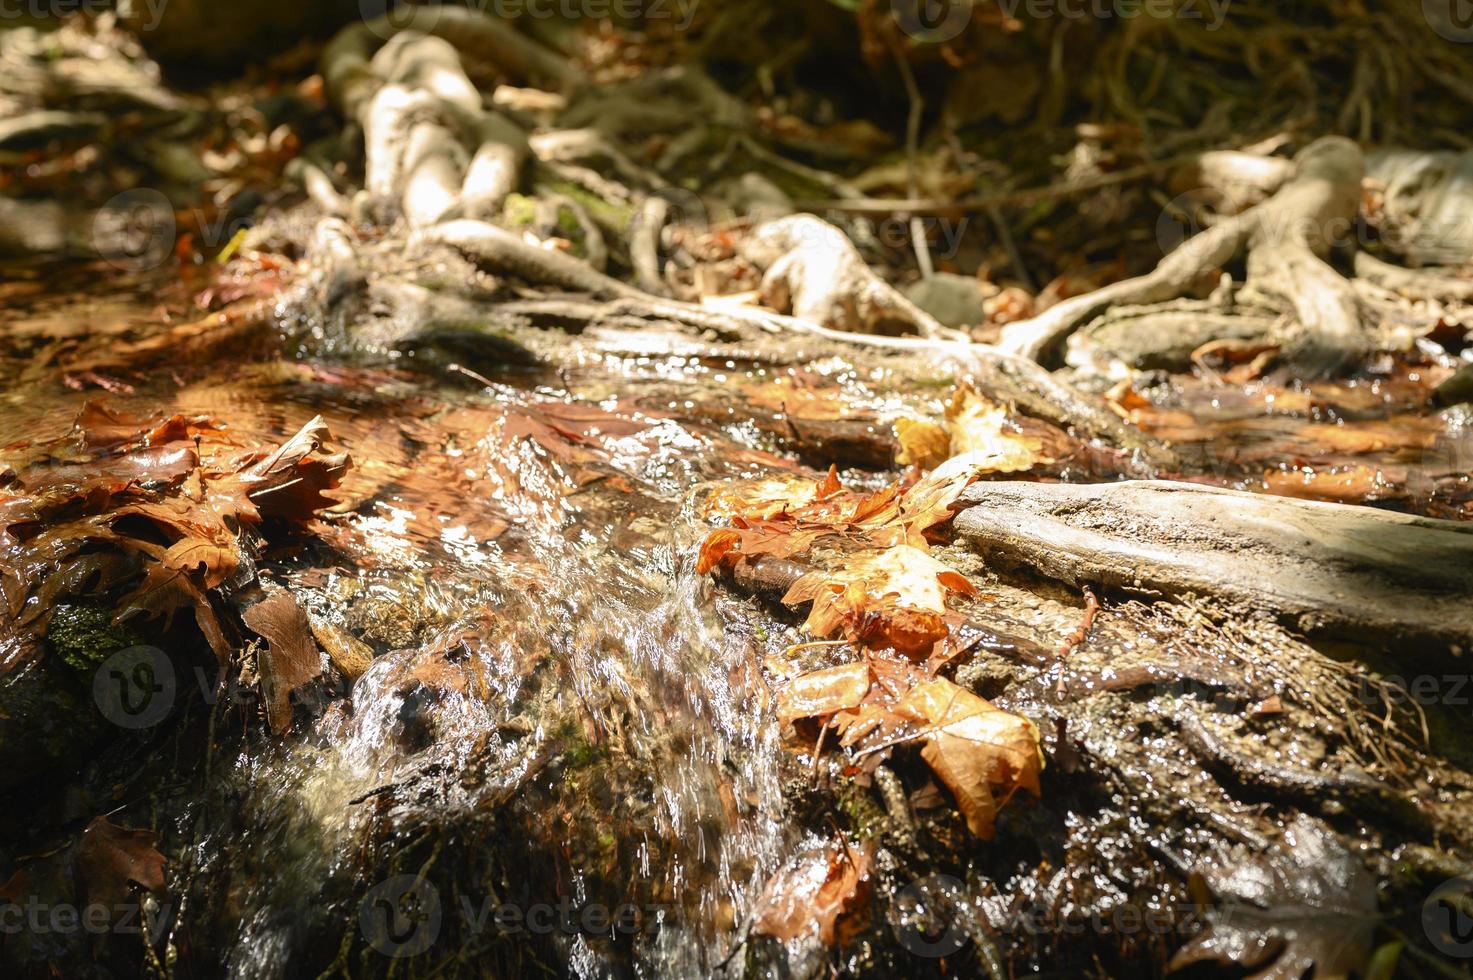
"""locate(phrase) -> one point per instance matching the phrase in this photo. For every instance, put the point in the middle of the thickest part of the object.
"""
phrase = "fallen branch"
(1326, 567)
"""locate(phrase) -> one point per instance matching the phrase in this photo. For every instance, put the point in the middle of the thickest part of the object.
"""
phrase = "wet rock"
(1457, 389)
(199, 32)
(956, 301)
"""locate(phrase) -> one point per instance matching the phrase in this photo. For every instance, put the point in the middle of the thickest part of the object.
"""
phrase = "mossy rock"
(84, 635)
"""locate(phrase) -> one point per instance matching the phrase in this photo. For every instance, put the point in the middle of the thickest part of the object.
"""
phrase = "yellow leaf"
(982, 753)
(923, 443)
(979, 431)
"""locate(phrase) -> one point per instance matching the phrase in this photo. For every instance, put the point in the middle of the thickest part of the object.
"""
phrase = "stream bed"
(541, 742)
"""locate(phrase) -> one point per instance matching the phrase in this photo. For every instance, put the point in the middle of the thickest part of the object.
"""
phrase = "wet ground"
(558, 752)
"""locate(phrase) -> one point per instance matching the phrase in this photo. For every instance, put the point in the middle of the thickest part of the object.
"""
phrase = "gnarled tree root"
(1286, 237)
(813, 270)
(1333, 568)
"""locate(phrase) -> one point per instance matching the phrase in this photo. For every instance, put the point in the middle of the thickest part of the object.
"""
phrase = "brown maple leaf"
(826, 889)
(109, 859)
(982, 753)
(290, 660)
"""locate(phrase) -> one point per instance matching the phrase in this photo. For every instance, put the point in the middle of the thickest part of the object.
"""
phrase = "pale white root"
(1287, 239)
(813, 270)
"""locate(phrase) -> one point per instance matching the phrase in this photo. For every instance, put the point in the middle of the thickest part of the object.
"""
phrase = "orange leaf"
(823, 692)
(982, 753)
(824, 890)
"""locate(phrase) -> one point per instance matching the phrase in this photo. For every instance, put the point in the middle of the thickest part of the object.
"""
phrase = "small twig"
(1077, 638)
(912, 151)
(818, 747)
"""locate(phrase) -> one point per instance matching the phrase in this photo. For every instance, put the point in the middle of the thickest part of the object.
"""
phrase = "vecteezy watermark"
(387, 17)
(139, 686)
(134, 688)
(1447, 917)
(924, 925)
(932, 21)
(135, 230)
(943, 234)
(1451, 20)
(937, 21)
(935, 918)
(1424, 690)
(39, 918)
(403, 916)
(145, 14)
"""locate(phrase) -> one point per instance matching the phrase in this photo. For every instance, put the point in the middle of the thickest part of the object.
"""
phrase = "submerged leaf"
(109, 857)
(824, 890)
(291, 658)
(1306, 905)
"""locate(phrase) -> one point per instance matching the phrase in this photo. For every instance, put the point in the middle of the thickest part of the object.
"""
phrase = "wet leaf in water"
(1304, 905)
(766, 499)
(161, 521)
(784, 518)
(825, 890)
(726, 545)
(108, 858)
(823, 692)
(1349, 485)
(290, 660)
(982, 753)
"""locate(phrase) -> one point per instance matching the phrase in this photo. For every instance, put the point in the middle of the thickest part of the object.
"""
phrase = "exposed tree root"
(814, 271)
(417, 124)
(1327, 567)
(1286, 238)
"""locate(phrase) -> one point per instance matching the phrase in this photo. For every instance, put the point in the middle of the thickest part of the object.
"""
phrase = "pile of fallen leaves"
(148, 517)
(886, 596)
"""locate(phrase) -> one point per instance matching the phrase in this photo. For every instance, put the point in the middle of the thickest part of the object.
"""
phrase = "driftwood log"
(1326, 568)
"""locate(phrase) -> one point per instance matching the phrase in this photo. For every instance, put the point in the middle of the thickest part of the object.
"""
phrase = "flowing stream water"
(562, 757)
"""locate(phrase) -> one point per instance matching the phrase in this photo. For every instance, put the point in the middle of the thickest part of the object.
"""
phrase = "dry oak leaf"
(982, 753)
(894, 597)
(825, 889)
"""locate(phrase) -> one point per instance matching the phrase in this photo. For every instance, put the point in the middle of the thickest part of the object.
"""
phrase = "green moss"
(519, 211)
(83, 636)
(609, 216)
(864, 815)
